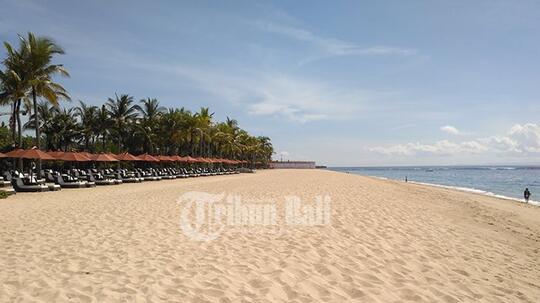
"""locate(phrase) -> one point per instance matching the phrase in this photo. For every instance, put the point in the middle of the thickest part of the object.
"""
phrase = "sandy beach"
(387, 241)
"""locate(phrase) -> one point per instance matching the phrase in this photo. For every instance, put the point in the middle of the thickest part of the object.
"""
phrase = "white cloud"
(330, 47)
(256, 91)
(449, 129)
(520, 140)
(443, 147)
(527, 137)
(271, 94)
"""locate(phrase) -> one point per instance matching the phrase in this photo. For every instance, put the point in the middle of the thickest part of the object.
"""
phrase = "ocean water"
(502, 181)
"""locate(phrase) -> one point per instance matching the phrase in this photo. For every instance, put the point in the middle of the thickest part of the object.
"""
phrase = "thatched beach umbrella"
(89, 155)
(73, 157)
(33, 153)
(14, 153)
(176, 158)
(55, 154)
(180, 159)
(164, 158)
(147, 158)
(103, 158)
(127, 157)
(201, 160)
(189, 159)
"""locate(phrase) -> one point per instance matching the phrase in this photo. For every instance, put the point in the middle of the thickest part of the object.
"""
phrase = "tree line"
(28, 87)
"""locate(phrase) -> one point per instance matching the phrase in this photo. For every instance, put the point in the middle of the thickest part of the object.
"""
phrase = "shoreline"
(451, 187)
(478, 192)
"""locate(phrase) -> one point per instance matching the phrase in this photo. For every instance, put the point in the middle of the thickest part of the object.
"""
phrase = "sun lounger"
(4, 183)
(20, 186)
(127, 178)
(71, 184)
(100, 180)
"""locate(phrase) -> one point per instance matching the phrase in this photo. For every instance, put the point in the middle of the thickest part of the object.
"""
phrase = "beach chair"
(66, 181)
(99, 179)
(20, 186)
(127, 177)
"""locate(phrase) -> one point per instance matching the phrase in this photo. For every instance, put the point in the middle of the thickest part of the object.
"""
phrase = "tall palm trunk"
(13, 122)
(19, 132)
(38, 134)
(19, 125)
(119, 138)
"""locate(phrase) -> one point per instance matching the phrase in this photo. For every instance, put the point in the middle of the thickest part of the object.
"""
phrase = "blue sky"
(342, 82)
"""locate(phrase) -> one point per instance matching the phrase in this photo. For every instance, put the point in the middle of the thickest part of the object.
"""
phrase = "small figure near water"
(406, 179)
(526, 195)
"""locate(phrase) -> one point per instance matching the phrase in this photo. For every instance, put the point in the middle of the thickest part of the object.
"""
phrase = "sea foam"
(477, 191)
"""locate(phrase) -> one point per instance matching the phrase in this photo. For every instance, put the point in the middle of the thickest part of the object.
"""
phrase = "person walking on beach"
(526, 195)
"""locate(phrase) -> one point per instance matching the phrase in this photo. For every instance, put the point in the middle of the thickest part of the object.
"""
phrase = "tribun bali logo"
(206, 215)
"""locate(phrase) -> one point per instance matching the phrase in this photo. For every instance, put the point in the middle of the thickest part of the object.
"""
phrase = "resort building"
(292, 164)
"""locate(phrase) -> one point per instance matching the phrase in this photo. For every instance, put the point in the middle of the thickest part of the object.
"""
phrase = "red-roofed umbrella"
(148, 158)
(189, 159)
(73, 157)
(89, 155)
(111, 155)
(14, 153)
(127, 157)
(103, 158)
(164, 158)
(182, 159)
(55, 154)
(175, 158)
(31, 154)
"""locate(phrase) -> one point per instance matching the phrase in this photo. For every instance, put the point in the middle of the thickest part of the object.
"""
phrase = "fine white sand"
(387, 242)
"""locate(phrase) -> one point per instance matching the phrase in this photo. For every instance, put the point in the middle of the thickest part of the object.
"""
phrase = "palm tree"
(28, 76)
(37, 53)
(103, 124)
(122, 112)
(32, 64)
(150, 112)
(14, 89)
(46, 114)
(88, 116)
(150, 109)
(203, 122)
(65, 128)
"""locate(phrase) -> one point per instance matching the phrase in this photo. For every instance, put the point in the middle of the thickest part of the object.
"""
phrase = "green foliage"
(3, 194)
(6, 143)
(121, 124)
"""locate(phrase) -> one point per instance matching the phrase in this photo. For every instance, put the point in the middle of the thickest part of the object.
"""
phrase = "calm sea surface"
(507, 181)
